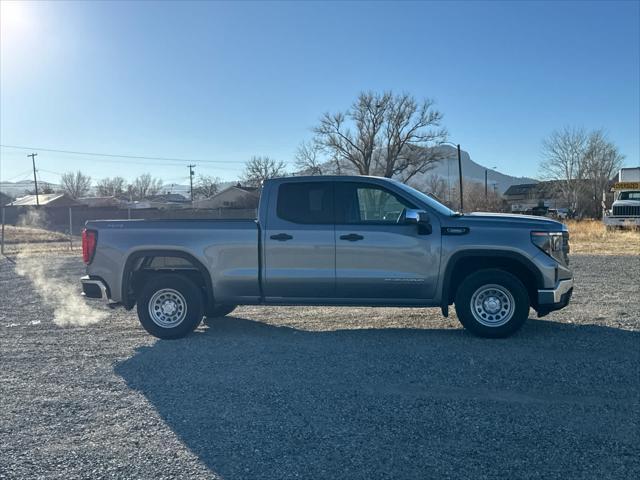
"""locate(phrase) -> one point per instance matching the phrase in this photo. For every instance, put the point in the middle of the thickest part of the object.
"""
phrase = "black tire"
(175, 291)
(220, 311)
(504, 310)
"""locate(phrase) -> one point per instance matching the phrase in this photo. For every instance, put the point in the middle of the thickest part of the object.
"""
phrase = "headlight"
(553, 244)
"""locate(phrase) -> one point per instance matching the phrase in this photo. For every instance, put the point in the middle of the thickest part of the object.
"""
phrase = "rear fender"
(135, 261)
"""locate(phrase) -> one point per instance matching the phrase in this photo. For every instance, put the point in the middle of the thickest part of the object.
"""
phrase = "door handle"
(281, 237)
(352, 237)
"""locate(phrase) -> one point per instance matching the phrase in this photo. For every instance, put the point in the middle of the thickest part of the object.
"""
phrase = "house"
(168, 201)
(235, 196)
(4, 199)
(103, 202)
(46, 200)
(528, 197)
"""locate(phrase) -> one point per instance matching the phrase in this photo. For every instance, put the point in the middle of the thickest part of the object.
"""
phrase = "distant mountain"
(17, 189)
(447, 169)
(471, 171)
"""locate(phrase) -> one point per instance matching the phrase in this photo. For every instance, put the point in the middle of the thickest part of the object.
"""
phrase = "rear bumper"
(95, 287)
(555, 298)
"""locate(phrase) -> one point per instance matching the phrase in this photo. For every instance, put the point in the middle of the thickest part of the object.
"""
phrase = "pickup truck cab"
(332, 240)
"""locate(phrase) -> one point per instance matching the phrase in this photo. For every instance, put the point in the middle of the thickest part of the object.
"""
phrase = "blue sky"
(225, 81)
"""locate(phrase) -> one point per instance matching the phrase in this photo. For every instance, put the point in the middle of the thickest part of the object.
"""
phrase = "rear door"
(299, 242)
(378, 256)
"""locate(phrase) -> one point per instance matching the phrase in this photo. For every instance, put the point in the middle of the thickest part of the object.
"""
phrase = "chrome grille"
(626, 210)
(565, 247)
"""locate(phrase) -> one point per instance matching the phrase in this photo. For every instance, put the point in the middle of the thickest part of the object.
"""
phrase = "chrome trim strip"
(100, 285)
(554, 295)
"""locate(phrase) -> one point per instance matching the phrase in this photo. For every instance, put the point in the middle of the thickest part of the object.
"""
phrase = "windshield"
(629, 196)
(424, 198)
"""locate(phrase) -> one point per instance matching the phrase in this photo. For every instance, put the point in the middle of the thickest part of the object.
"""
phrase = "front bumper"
(555, 298)
(94, 287)
(624, 222)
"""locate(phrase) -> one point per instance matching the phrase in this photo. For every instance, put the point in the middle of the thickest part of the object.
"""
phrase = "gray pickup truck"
(339, 240)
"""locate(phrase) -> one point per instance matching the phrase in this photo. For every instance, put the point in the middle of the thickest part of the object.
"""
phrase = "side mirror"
(416, 217)
(419, 218)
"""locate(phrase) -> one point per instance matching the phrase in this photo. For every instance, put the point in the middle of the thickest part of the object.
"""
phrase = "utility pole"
(485, 183)
(191, 167)
(460, 173)
(35, 179)
(449, 179)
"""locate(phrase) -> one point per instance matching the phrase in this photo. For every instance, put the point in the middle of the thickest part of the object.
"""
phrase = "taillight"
(89, 242)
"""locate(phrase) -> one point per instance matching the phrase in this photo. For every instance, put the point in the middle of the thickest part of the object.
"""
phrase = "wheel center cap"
(492, 305)
(168, 307)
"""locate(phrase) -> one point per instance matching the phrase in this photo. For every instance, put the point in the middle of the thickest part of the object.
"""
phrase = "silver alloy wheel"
(492, 305)
(167, 308)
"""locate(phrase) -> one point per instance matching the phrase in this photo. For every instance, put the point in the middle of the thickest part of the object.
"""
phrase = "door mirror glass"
(416, 217)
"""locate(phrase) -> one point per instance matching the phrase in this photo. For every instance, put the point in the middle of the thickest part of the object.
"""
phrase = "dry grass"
(591, 236)
(31, 235)
(29, 240)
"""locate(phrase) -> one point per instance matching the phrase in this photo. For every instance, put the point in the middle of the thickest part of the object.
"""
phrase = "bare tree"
(45, 188)
(476, 199)
(436, 186)
(383, 133)
(111, 186)
(144, 186)
(261, 168)
(309, 161)
(564, 152)
(601, 161)
(76, 185)
(582, 163)
(366, 116)
(206, 186)
(411, 137)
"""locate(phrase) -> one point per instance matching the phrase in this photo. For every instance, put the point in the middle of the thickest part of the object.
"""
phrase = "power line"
(50, 171)
(152, 164)
(114, 155)
(18, 175)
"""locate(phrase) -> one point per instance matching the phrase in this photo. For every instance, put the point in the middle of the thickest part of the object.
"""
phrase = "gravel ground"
(352, 393)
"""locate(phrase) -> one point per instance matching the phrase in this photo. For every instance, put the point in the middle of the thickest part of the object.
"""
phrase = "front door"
(378, 256)
(299, 242)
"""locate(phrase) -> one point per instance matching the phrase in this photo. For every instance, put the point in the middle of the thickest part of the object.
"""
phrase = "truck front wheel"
(169, 306)
(492, 303)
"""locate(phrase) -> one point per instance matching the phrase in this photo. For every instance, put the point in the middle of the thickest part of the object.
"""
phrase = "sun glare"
(14, 16)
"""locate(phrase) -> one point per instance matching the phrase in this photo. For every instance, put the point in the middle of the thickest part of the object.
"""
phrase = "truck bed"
(228, 249)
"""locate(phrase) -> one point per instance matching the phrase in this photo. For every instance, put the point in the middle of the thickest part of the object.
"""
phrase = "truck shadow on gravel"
(253, 400)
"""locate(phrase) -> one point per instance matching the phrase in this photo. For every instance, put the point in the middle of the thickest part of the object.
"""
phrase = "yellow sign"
(626, 186)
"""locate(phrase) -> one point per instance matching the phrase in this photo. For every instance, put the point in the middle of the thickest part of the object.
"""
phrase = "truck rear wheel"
(492, 303)
(169, 306)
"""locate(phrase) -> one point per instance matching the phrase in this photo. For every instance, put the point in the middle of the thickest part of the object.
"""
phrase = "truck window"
(629, 196)
(366, 203)
(306, 202)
